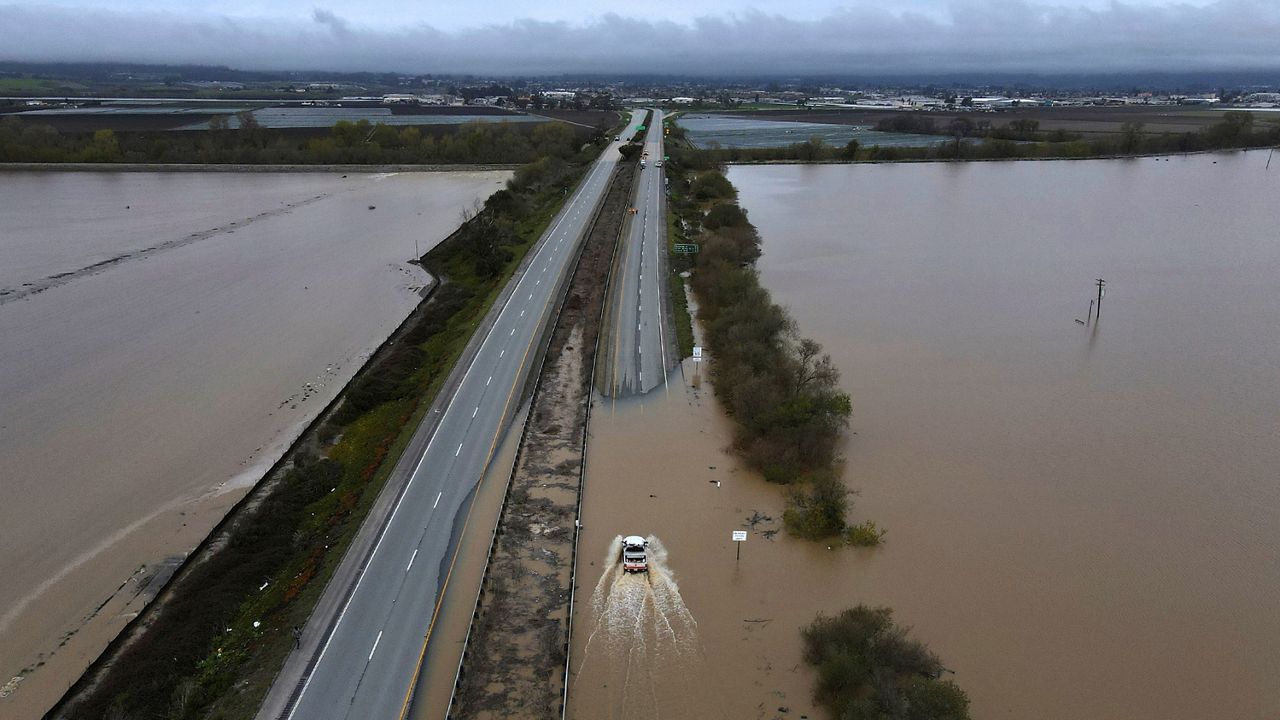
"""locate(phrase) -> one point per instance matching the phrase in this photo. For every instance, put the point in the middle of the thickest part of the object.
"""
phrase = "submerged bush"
(869, 670)
(864, 535)
(816, 510)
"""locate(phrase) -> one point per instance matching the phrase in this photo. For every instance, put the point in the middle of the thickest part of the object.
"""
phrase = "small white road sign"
(739, 535)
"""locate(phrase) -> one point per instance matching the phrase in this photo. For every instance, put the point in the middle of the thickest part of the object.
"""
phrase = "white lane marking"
(423, 458)
(530, 296)
(486, 382)
(538, 283)
(521, 313)
(411, 559)
(473, 412)
(375, 644)
(437, 502)
(503, 353)
(458, 451)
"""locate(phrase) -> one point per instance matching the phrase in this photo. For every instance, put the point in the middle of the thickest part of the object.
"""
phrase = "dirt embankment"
(514, 661)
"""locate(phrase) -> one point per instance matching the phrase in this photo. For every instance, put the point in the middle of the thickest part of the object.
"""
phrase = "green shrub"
(712, 186)
(867, 668)
(864, 535)
(725, 215)
(816, 509)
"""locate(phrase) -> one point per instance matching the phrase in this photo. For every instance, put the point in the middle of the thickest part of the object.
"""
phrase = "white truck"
(634, 557)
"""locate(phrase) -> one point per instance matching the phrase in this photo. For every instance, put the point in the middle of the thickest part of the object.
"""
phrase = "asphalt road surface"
(640, 346)
(360, 651)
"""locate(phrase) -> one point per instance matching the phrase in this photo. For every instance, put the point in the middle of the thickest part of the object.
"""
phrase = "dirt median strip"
(514, 660)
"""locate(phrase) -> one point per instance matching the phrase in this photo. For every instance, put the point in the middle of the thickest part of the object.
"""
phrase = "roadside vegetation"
(212, 643)
(868, 669)
(356, 143)
(678, 265)
(967, 139)
(780, 388)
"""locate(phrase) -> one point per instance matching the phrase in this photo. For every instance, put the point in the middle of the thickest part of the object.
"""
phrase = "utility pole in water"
(1098, 313)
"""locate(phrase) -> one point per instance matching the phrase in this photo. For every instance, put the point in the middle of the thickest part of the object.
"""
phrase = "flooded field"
(165, 338)
(725, 131)
(1082, 521)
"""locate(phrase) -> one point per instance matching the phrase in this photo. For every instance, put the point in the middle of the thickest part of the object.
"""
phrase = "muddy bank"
(514, 658)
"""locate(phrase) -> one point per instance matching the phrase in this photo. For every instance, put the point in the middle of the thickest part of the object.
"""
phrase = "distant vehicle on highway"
(641, 162)
(634, 558)
(617, 137)
(658, 164)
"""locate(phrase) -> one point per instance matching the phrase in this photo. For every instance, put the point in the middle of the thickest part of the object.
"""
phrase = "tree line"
(779, 387)
(346, 142)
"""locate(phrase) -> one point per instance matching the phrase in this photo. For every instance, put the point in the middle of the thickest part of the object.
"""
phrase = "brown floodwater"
(1082, 521)
(140, 400)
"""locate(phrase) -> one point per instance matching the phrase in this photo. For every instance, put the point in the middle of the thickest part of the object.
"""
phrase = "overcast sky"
(783, 37)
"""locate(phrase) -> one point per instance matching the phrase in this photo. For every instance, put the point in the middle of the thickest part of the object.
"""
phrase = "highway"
(641, 346)
(359, 653)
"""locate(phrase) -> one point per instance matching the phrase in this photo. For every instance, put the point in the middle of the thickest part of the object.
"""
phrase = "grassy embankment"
(214, 645)
(779, 388)
(1018, 139)
(868, 670)
(677, 265)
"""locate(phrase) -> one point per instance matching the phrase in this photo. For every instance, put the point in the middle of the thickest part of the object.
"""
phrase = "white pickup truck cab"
(634, 558)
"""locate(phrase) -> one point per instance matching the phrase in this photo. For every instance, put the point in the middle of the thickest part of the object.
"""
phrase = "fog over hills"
(924, 36)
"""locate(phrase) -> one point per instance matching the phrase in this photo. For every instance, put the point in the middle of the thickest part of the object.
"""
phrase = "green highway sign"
(686, 248)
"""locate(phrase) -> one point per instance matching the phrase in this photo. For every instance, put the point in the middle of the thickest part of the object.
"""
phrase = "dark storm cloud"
(967, 35)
